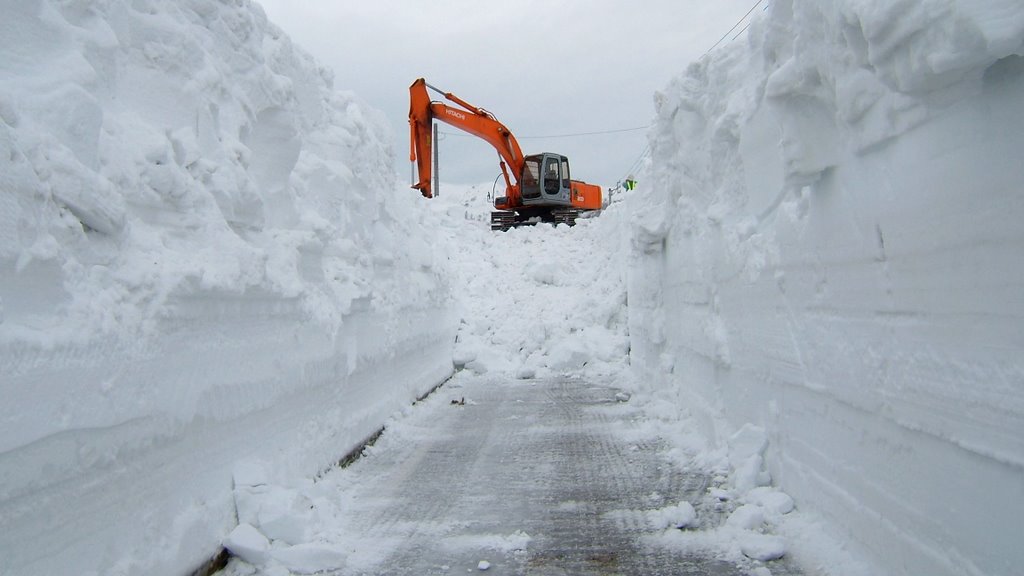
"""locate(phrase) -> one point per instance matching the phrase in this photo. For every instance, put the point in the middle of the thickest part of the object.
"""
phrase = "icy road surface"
(526, 477)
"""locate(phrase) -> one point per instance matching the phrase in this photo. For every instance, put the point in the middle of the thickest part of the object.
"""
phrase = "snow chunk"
(526, 373)
(746, 450)
(762, 547)
(286, 515)
(750, 473)
(247, 503)
(478, 366)
(464, 354)
(248, 543)
(773, 501)
(747, 517)
(483, 565)
(748, 441)
(681, 515)
(720, 494)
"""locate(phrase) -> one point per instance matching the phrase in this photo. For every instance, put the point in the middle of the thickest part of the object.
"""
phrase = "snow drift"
(829, 247)
(200, 264)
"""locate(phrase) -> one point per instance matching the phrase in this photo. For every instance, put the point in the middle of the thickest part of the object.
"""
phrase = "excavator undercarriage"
(503, 220)
(506, 219)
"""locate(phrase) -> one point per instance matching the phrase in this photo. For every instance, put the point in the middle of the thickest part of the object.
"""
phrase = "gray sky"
(543, 68)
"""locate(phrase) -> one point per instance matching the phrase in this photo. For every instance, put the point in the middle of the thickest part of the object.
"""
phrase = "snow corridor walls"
(202, 266)
(832, 250)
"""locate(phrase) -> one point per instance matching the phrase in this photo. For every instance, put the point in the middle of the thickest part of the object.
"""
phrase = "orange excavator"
(536, 186)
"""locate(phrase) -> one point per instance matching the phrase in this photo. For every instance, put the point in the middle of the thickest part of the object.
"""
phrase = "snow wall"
(831, 247)
(202, 264)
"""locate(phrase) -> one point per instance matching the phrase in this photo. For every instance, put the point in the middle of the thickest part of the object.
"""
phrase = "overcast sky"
(543, 68)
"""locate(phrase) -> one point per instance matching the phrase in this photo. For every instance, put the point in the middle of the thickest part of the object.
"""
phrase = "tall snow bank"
(202, 262)
(831, 248)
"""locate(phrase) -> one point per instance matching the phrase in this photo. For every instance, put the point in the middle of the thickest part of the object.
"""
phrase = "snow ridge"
(838, 264)
(202, 259)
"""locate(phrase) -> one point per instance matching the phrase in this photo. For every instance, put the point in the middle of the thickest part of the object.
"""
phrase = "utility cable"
(635, 166)
(588, 133)
(638, 163)
(741, 31)
(615, 131)
(738, 22)
(748, 24)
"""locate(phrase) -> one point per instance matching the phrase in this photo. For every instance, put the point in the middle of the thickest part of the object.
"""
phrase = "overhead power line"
(741, 31)
(738, 22)
(573, 135)
(646, 152)
(634, 129)
(637, 164)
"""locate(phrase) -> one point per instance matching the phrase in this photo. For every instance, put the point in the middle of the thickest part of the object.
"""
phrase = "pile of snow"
(536, 301)
(277, 525)
(828, 249)
(204, 257)
(681, 515)
(741, 517)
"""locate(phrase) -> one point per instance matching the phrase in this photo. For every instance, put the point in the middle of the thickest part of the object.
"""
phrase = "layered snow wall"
(201, 265)
(831, 247)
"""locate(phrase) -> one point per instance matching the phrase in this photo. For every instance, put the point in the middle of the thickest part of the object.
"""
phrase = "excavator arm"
(466, 117)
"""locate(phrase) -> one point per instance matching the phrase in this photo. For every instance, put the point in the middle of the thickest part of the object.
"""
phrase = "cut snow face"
(203, 259)
(830, 251)
(152, 154)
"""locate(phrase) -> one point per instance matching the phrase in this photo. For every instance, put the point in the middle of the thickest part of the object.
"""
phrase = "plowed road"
(532, 477)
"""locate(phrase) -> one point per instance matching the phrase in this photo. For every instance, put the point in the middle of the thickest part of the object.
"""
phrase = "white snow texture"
(202, 261)
(211, 284)
(837, 258)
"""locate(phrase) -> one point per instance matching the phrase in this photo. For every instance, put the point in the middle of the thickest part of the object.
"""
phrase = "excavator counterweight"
(536, 186)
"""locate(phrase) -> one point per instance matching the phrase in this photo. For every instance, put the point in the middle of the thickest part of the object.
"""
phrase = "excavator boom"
(469, 118)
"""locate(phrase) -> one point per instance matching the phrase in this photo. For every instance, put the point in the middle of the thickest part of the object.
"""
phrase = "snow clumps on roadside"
(278, 526)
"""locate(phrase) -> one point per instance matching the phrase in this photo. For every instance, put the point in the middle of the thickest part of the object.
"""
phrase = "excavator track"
(565, 216)
(502, 220)
(505, 220)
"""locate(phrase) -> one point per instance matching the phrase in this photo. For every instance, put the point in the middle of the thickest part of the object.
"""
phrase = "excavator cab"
(545, 180)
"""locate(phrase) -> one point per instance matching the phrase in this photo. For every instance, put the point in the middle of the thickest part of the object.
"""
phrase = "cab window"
(552, 177)
(531, 179)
